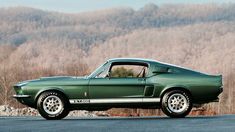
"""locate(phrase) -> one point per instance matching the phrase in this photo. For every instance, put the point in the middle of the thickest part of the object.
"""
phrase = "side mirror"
(160, 70)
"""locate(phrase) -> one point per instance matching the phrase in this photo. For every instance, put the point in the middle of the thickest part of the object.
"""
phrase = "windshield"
(98, 70)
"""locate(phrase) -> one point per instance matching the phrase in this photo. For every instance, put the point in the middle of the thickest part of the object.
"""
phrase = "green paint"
(203, 87)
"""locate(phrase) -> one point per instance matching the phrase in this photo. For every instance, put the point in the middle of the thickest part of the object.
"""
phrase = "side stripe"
(114, 100)
(151, 100)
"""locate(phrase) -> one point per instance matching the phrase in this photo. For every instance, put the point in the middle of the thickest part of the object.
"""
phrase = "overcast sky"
(72, 6)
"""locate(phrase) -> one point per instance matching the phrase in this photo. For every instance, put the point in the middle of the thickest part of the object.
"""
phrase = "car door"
(116, 88)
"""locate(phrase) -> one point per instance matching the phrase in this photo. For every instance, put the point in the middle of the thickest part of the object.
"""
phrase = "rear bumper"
(213, 97)
(218, 93)
(221, 89)
(215, 100)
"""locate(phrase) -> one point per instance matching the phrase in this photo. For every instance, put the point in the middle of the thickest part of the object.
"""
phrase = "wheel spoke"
(177, 103)
(52, 105)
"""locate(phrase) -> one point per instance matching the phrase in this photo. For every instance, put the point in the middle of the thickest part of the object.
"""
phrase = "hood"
(59, 78)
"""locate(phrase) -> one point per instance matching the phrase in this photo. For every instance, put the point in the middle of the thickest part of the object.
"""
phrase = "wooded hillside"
(35, 43)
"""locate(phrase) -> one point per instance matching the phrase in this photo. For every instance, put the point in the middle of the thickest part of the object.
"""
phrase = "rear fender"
(173, 87)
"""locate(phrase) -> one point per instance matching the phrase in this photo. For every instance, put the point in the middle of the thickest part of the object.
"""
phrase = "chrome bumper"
(21, 96)
(221, 89)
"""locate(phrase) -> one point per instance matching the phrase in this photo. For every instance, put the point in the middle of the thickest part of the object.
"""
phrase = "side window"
(128, 71)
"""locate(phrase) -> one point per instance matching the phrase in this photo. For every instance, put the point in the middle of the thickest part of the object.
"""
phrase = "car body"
(158, 85)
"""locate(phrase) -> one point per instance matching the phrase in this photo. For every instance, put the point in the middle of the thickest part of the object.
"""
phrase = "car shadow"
(39, 118)
(141, 118)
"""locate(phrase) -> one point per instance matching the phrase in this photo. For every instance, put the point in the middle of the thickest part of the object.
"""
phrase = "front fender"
(48, 89)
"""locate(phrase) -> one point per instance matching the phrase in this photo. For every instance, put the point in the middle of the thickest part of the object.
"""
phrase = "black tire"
(46, 112)
(175, 107)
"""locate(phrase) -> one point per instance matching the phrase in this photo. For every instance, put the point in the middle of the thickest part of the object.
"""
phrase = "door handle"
(141, 79)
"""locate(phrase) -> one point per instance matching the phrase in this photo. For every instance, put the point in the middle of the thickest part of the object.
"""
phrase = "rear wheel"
(52, 105)
(176, 103)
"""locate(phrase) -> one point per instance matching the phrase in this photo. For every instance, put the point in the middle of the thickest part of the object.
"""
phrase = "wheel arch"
(170, 88)
(55, 89)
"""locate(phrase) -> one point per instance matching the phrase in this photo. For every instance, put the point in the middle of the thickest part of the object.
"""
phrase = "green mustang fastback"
(122, 83)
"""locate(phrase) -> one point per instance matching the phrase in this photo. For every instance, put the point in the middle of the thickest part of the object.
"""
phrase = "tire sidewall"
(170, 113)
(44, 114)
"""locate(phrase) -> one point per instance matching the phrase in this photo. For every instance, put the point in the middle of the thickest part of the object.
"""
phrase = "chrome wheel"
(177, 103)
(52, 105)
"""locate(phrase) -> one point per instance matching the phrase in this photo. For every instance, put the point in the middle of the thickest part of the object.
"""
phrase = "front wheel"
(176, 104)
(52, 105)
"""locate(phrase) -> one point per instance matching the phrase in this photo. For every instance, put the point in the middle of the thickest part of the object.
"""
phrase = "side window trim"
(107, 66)
(144, 64)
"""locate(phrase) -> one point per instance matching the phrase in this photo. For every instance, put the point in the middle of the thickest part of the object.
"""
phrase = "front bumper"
(22, 98)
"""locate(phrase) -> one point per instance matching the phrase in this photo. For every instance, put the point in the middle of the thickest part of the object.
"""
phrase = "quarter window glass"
(103, 73)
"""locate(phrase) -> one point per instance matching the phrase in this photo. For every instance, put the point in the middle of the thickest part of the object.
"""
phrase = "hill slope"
(35, 43)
